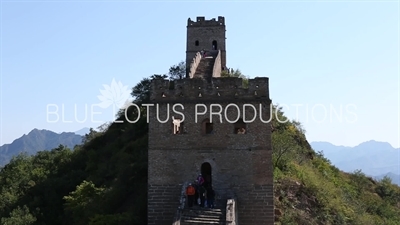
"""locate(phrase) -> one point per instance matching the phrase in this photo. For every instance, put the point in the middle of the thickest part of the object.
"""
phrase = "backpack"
(190, 190)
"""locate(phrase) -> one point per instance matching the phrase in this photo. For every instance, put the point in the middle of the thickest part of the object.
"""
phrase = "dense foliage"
(310, 190)
(104, 180)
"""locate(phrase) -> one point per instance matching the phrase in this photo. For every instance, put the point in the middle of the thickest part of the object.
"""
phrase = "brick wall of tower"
(255, 204)
(162, 203)
(241, 164)
(248, 176)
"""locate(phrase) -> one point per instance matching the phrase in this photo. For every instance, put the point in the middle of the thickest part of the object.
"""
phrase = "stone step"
(203, 221)
(205, 67)
(204, 214)
(200, 218)
(200, 223)
(196, 215)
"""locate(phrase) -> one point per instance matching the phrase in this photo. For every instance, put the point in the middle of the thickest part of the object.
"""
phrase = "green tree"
(141, 91)
(91, 135)
(236, 73)
(80, 203)
(177, 71)
(19, 216)
(114, 219)
(360, 181)
(388, 191)
(284, 148)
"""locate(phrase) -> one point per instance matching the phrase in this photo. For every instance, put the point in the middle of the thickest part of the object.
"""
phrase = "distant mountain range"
(374, 158)
(39, 140)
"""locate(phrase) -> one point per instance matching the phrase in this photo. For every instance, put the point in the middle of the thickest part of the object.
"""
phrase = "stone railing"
(193, 65)
(217, 65)
(231, 212)
(182, 203)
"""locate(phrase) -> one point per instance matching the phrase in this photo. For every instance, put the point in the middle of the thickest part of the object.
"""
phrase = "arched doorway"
(214, 45)
(206, 173)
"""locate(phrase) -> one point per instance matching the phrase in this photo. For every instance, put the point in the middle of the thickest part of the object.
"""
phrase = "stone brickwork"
(241, 163)
(162, 203)
(255, 204)
(201, 34)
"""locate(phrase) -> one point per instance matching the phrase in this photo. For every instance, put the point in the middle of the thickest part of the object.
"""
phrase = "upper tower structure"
(207, 35)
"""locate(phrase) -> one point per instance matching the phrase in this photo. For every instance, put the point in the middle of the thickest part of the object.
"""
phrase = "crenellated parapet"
(201, 21)
(218, 89)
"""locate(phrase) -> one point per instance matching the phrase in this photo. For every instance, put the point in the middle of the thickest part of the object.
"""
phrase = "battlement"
(219, 89)
(201, 21)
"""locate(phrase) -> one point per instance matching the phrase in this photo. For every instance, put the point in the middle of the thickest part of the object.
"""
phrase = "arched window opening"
(207, 127)
(196, 43)
(214, 45)
(240, 127)
(177, 126)
(206, 173)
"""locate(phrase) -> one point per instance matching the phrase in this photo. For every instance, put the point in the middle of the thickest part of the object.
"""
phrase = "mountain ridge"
(374, 158)
(37, 140)
(360, 144)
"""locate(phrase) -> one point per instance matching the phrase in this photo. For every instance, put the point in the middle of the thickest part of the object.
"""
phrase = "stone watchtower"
(215, 127)
(205, 34)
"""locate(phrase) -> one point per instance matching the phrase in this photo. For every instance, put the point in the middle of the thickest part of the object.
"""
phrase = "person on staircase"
(202, 193)
(207, 180)
(190, 192)
(200, 180)
(210, 197)
(201, 189)
(196, 195)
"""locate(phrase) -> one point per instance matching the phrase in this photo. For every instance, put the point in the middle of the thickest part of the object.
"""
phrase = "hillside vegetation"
(104, 181)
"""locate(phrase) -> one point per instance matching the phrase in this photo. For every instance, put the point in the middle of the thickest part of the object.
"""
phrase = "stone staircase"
(197, 215)
(206, 65)
(203, 216)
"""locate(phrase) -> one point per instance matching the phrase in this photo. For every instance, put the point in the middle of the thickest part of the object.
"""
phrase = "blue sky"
(322, 55)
